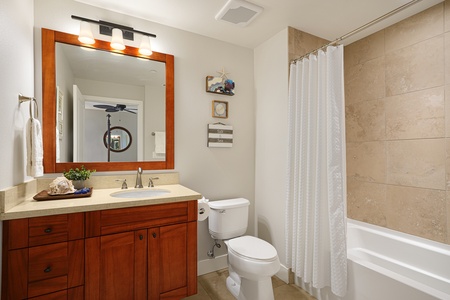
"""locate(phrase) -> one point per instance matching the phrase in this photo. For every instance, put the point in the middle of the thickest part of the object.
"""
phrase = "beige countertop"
(99, 200)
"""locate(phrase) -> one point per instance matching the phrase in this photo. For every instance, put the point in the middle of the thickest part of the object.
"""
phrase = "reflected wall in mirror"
(91, 82)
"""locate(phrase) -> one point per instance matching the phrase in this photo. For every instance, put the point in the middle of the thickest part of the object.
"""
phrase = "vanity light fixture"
(146, 47)
(86, 36)
(117, 32)
(117, 39)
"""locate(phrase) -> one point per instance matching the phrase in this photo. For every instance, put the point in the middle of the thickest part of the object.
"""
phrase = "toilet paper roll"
(203, 210)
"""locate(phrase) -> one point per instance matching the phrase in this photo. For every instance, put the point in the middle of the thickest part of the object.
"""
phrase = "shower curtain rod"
(353, 32)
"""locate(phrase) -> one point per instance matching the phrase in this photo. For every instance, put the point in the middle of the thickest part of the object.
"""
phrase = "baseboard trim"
(211, 265)
(283, 274)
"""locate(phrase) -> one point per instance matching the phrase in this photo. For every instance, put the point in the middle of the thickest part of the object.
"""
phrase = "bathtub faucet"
(139, 179)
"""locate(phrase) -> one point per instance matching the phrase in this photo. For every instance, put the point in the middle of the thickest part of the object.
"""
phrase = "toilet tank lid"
(229, 203)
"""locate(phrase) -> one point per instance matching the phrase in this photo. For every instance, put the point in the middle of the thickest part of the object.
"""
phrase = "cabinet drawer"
(22, 233)
(134, 218)
(55, 267)
(70, 294)
(54, 229)
(47, 261)
(45, 230)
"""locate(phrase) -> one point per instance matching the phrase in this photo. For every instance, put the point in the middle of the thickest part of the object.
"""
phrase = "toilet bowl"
(251, 261)
(254, 261)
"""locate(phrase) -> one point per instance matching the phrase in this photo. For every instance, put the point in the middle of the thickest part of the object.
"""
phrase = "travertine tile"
(365, 49)
(211, 287)
(201, 294)
(417, 28)
(447, 164)
(366, 202)
(447, 110)
(301, 42)
(291, 292)
(419, 163)
(215, 285)
(366, 81)
(416, 67)
(421, 212)
(448, 217)
(366, 161)
(365, 121)
(416, 115)
(447, 57)
(447, 15)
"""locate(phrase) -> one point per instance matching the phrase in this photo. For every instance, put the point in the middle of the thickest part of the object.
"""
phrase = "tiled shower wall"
(397, 90)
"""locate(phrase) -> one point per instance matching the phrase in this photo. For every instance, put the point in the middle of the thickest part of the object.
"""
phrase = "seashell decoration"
(61, 185)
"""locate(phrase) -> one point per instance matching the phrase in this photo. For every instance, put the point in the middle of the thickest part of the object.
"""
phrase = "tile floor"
(212, 286)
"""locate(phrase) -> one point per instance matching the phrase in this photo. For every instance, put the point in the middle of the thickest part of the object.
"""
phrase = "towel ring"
(34, 113)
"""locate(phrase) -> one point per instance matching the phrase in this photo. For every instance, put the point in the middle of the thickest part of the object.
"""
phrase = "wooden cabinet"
(142, 253)
(42, 256)
(116, 266)
(147, 252)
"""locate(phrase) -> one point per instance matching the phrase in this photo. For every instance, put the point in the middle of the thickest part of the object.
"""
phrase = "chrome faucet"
(150, 181)
(124, 183)
(139, 179)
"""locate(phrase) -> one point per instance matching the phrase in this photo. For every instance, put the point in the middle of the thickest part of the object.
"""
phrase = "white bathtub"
(384, 264)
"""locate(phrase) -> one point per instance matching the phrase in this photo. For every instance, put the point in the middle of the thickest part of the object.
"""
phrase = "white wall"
(16, 76)
(271, 86)
(216, 173)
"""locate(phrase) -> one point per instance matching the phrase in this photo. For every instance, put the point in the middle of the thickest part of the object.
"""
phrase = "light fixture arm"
(107, 27)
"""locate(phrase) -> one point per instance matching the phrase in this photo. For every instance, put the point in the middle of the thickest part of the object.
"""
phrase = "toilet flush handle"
(222, 211)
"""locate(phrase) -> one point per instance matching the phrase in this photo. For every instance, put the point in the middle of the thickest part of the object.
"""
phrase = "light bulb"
(85, 35)
(145, 48)
(117, 39)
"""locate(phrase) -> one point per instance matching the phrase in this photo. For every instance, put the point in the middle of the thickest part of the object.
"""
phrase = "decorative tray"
(44, 196)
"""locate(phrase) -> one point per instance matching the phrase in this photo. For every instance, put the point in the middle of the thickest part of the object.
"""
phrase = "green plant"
(78, 174)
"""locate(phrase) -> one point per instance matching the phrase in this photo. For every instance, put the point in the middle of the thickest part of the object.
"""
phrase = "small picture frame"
(220, 85)
(220, 109)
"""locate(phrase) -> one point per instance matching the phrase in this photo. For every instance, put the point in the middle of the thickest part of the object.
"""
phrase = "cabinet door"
(168, 260)
(116, 266)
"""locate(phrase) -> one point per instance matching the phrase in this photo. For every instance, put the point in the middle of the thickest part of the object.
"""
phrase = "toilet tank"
(228, 218)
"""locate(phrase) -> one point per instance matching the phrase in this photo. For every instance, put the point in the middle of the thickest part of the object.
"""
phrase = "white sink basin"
(139, 193)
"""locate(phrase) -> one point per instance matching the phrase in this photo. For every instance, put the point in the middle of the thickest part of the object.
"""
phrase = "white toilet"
(251, 261)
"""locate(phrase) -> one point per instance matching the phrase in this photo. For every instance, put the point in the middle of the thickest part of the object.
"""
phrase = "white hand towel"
(35, 152)
(160, 142)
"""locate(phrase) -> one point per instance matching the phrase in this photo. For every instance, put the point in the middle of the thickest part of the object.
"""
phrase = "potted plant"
(78, 176)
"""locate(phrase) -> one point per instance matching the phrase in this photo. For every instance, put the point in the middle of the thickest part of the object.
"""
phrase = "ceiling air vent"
(239, 12)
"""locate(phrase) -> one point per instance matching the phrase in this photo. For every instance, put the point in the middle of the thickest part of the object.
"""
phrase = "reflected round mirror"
(120, 139)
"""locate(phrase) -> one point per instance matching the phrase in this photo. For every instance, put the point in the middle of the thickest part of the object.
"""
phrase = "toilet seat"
(252, 248)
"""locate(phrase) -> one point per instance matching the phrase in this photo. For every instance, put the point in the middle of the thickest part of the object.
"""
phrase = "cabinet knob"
(48, 230)
(141, 237)
(154, 235)
(48, 270)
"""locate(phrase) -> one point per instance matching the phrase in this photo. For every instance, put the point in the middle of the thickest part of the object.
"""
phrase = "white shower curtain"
(316, 192)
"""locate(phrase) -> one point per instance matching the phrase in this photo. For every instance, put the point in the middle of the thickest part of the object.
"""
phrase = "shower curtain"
(316, 191)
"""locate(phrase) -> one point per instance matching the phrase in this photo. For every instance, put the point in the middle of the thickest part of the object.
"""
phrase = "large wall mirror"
(87, 89)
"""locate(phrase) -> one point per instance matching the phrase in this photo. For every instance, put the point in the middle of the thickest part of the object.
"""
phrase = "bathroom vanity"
(104, 249)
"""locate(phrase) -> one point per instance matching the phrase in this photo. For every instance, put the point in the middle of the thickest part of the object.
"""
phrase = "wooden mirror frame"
(49, 39)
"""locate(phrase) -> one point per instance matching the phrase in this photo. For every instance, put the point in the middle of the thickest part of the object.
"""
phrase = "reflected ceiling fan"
(118, 107)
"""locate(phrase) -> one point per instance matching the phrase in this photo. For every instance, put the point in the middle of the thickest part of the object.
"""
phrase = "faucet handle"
(150, 181)
(124, 183)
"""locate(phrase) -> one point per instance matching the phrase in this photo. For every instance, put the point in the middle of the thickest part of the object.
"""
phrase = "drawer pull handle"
(48, 270)
(154, 235)
(48, 230)
(141, 237)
